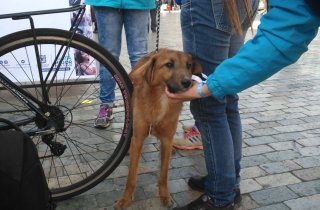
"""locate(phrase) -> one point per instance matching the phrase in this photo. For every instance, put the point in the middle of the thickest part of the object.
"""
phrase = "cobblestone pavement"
(281, 147)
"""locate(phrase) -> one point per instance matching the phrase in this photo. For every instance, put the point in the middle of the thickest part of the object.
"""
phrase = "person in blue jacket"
(282, 37)
(212, 31)
(111, 17)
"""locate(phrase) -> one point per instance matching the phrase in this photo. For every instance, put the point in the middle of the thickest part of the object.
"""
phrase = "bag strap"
(10, 125)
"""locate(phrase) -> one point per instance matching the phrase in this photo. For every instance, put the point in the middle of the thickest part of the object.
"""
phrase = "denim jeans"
(209, 36)
(110, 22)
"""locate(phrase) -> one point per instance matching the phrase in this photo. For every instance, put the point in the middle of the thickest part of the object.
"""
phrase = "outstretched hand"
(188, 95)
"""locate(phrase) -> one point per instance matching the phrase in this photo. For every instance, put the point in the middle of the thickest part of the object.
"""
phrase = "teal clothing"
(282, 37)
(124, 4)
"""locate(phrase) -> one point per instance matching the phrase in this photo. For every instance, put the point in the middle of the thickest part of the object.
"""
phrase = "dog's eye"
(189, 65)
(169, 65)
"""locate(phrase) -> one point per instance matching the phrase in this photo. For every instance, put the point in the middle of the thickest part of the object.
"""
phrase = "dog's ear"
(196, 67)
(149, 75)
(143, 70)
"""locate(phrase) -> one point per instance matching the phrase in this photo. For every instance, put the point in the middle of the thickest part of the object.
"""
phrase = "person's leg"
(232, 110)
(136, 24)
(110, 23)
(211, 46)
(208, 35)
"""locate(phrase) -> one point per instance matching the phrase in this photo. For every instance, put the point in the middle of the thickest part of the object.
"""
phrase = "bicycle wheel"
(72, 102)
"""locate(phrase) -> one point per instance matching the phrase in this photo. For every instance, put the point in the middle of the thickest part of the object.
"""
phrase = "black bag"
(22, 180)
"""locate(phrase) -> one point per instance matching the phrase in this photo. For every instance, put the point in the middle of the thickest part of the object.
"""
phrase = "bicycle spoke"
(106, 130)
(19, 111)
(27, 54)
(63, 80)
(72, 141)
(76, 143)
(38, 144)
(15, 106)
(88, 88)
(96, 134)
(24, 71)
(65, 170)
(57, 177)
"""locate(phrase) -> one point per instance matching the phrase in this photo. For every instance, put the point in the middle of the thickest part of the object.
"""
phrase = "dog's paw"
(122, 203)
(166, 201)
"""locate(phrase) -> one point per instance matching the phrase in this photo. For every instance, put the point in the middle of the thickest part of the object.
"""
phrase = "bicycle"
(58, 110)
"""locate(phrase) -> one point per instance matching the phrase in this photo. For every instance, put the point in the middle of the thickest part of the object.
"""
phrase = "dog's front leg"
(165, 149)
(135, 151)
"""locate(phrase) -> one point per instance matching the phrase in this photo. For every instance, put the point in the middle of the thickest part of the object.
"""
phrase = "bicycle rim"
(91, 154)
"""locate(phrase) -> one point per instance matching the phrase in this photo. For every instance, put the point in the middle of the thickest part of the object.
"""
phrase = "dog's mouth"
(172, 89)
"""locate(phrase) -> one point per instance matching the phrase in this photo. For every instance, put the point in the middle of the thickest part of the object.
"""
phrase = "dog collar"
(198, 79)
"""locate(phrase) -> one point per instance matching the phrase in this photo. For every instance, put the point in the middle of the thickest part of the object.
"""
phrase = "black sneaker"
(204, 202)
(198, 182)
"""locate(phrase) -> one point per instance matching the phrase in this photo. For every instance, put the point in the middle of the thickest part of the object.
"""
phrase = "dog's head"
(166, 67)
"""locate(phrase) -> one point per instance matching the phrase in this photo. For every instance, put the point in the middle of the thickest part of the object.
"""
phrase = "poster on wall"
(21, 64)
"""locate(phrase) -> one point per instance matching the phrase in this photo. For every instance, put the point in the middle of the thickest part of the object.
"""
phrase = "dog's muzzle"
(184, 85)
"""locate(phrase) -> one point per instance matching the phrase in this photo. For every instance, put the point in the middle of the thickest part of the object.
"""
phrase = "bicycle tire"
(110, 145)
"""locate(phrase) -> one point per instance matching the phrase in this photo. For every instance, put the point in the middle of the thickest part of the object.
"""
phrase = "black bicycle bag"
(22, 180)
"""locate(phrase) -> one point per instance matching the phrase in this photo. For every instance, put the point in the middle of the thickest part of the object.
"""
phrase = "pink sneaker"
(104, 117)
(191, 139)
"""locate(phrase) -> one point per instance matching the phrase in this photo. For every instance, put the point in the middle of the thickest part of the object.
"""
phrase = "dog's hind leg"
(135, 153)
(165, 150)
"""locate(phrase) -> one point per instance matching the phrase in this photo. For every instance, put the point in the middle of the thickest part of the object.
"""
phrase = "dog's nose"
(186, 82)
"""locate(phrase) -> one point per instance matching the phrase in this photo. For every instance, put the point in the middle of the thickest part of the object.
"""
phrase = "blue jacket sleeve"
(282, 37)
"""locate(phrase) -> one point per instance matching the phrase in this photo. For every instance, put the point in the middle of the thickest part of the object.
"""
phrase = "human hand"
(190, 94)
(87, 69)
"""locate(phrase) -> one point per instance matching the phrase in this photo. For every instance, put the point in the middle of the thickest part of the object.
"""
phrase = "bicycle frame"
(21, 94)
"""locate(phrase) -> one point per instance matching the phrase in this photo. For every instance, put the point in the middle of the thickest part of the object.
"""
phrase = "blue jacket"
(124, 4)
(282, 37)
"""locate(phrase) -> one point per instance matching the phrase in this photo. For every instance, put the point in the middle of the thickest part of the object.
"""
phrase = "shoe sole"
(104, 126)
(237, 199)
(188, 147)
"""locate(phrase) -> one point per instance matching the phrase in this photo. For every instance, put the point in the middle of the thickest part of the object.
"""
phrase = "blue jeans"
(110, 22)
(208, 35)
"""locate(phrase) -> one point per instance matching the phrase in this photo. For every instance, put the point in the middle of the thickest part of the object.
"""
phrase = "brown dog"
(155, 113)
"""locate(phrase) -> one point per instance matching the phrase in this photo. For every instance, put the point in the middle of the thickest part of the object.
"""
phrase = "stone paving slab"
(281, 130)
